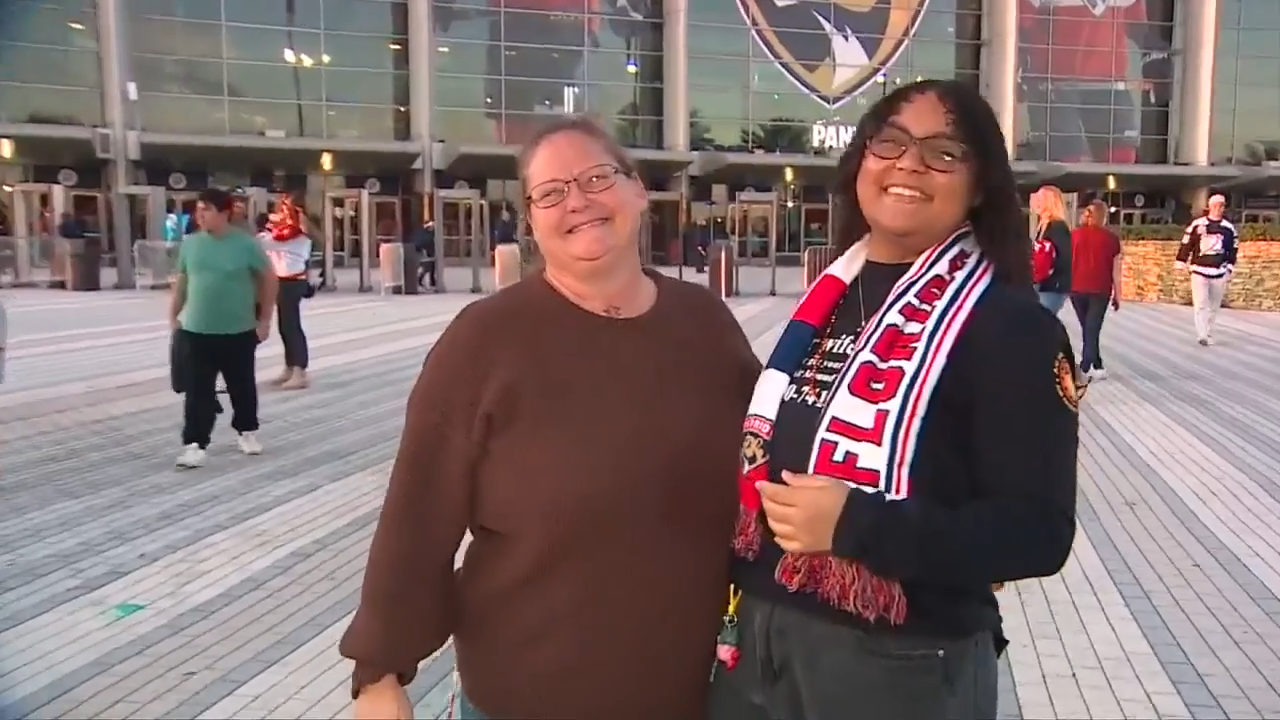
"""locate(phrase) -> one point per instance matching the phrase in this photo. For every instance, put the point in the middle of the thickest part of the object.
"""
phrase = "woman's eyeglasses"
(940, 154)
(593, 180)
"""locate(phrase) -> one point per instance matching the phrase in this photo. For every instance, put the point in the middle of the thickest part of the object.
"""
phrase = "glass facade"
(1095, 80)
(501, 67)
(1095, 77)
(1246, 95)
(763, 74)
(49, 67)
(280, 68)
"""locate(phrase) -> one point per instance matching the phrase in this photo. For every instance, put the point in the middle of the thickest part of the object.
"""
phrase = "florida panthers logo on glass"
(833, 49)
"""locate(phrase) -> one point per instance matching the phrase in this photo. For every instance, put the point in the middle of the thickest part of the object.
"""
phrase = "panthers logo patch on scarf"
(1070, 388)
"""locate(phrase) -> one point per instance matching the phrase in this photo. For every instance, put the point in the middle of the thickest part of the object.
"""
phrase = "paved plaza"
(130, 590)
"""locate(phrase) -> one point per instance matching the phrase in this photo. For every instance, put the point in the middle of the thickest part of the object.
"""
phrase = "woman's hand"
(803, 513)
(384, 700)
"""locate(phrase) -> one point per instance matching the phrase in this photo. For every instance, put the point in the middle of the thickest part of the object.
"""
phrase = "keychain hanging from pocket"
(727, 651)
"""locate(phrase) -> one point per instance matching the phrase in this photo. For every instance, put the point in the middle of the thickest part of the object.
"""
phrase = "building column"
(1196, 40)
(421, 47)
(113, 51)
(675, 74)
(999, 65)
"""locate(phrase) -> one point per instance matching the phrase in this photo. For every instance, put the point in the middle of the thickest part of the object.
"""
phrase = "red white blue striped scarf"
(871, 419)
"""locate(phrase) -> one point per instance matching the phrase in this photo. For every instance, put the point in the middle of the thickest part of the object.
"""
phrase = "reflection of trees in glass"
(779, 134)
(631, 128)
(699, 132)
(39, 118)
(1259, 152)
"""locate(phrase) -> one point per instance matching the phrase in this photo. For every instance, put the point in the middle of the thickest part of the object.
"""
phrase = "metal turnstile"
(667, 214)
(257, 202)
(348, 231)
(37, 209)
(753, 225)
(462, 222)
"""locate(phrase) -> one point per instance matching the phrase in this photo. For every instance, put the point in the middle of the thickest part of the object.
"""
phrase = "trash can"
(84, 265)
(721, 269)
(409, 259)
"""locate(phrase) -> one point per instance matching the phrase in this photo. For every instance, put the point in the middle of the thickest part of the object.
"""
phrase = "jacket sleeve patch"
(1071, 388)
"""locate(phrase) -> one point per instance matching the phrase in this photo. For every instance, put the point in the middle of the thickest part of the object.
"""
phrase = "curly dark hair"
(998, 224)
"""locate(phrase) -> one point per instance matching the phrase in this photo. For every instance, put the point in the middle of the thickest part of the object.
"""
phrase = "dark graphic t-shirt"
(802, 405)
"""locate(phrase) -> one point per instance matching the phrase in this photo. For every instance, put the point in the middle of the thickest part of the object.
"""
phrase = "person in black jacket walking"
(1049, 207)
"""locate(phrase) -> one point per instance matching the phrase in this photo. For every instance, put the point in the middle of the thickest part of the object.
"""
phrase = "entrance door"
(662, 240)
(348, 236)
(462, 232)
(753, 226)
(816, 225)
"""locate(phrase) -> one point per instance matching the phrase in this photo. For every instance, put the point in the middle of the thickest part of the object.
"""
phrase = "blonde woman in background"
(1048, 206)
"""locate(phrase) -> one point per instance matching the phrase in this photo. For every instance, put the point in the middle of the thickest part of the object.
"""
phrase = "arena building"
(119, 110)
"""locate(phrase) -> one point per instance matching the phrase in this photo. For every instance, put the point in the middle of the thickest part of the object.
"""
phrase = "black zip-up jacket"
(1058, 233)
(993, 479)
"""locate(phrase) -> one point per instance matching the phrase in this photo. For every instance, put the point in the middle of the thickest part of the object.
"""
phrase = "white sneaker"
(1098, 374)
(249, 444)
(192, 456)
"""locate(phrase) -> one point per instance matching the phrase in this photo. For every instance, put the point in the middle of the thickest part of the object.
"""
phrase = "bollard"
(506, 265)
(722, 269)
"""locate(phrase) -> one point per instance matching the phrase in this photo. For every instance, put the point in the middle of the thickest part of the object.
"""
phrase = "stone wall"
(1149, 275)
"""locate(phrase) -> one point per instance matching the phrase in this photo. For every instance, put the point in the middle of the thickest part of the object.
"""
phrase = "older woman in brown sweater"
(584, 425)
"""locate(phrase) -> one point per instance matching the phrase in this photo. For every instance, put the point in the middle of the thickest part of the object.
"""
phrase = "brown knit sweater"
(594, 462)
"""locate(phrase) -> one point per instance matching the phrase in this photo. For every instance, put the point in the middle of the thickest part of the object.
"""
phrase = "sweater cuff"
(856, 524)
(365, 675)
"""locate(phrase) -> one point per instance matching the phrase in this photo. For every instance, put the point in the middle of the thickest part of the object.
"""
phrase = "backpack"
(1043, 256)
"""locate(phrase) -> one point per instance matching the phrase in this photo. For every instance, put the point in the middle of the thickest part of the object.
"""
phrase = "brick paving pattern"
(129, 590)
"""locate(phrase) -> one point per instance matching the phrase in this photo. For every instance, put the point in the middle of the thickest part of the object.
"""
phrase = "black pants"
(798, 667)
(289, 317)
(233, 356)
(1091, 310)
(427, 272)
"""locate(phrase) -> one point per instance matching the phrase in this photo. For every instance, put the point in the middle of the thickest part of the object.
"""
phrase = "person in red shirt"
(1095, 282)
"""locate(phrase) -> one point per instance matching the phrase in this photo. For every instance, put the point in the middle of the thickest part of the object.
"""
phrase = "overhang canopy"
(486, 161)
(350, 155)
(769, 168)
(1170, 178)
(1254, 180)
(499, 162)
(70, 145)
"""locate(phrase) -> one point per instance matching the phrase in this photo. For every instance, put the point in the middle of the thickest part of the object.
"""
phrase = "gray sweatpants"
(798, 667)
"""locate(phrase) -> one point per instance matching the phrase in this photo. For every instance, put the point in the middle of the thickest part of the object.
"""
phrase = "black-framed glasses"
(595, 179)
(940, 154)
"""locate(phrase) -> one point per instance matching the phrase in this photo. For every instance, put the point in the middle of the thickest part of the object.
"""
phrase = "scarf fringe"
(842, 584)
(845, 585)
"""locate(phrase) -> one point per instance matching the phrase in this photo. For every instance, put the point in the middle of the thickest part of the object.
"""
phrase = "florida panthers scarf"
(871, 419)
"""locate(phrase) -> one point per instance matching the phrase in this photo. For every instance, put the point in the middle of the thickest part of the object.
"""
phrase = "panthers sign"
(833, 49)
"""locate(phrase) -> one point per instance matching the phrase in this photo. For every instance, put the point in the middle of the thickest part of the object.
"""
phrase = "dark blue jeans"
(1091, 310)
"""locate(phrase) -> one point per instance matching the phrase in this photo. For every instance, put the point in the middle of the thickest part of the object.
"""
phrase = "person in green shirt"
(223, 300)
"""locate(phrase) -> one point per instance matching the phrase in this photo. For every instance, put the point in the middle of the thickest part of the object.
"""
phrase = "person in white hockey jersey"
(1208, 251)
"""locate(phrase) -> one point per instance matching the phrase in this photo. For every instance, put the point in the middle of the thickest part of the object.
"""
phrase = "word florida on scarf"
(888, 382)
(870, 424)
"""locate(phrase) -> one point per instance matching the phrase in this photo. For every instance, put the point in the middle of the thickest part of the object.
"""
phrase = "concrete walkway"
(128, 590)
